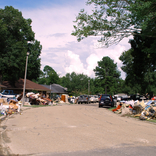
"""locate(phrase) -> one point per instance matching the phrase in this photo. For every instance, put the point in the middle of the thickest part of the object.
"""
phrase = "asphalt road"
(74, 130)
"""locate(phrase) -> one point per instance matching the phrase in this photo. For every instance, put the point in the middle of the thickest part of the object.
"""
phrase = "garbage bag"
(137, 109)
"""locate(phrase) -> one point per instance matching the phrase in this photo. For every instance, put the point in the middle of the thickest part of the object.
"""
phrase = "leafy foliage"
(15, 32)
(139, 64)
(107, 76)
(34, 65)
(114, 20)
(76, 83)
(48, 76)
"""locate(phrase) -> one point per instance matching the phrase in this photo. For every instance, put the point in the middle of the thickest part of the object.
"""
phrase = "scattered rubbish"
(37, 99)
(8, 108)
(145, 109)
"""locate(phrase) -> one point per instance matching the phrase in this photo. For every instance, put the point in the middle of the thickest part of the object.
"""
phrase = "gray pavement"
(76, 130)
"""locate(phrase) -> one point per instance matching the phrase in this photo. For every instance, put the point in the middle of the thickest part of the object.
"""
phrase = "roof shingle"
(29, 85)
(56, 88)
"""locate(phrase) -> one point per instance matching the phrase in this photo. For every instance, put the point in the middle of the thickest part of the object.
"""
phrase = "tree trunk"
(105, 89)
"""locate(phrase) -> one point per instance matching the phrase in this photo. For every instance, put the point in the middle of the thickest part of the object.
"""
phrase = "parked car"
(96, 98)
(8, 94)
(122, 98)
(125, 98)
(92, 99)
(106, 100)
(83, 99)
(137, 97)
(115, 100)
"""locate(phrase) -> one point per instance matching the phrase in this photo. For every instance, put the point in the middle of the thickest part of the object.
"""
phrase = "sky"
(52, 23)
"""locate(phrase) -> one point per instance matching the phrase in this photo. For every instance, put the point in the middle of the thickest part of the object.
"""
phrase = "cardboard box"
(3, 101)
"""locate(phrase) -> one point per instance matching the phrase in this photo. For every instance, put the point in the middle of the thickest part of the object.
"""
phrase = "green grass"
(111, 108)
(36, 106)
(152, 120)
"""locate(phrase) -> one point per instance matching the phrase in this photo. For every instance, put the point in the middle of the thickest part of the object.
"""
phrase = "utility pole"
(50, 91)
(88, 87)
(25, 79)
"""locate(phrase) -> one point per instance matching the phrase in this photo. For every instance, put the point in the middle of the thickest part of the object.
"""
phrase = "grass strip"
(36, 106)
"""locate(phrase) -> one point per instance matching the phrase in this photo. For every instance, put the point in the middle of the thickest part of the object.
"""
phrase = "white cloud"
(73, 63)
(92, 63)
(53, 26)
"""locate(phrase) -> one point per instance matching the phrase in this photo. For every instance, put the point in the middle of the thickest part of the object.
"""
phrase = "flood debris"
(145, 109)
(9, 107)
(37, 99)
(13, 105)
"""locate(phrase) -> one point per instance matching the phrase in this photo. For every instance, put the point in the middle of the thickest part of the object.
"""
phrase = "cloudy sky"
(52, 23)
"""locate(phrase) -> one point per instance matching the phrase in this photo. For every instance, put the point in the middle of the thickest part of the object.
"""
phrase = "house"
(56, 89)
(2, 87)
(29, 87)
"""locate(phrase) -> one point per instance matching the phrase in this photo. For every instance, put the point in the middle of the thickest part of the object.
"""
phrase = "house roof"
(29, 85)
(56, 88)
(3, 86)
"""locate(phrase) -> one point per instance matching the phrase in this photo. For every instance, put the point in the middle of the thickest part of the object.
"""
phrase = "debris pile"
(11, 107)
(145, 109)
(37, 99)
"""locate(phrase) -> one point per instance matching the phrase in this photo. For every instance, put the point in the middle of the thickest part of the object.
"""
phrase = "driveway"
(76, 130)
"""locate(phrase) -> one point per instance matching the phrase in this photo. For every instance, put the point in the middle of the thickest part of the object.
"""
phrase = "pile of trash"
(64, 98)
(145, 110)
(8, 107)
(37, 99)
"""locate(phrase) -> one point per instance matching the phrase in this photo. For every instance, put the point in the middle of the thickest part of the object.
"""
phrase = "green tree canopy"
(130, 85)
(139, 64)
(76, 83)
(48, 76)
(15, 34)
(114, 20)
(107, 75)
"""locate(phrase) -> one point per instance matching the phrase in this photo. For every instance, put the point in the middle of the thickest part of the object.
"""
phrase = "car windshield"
(105, 96)
(3, 91)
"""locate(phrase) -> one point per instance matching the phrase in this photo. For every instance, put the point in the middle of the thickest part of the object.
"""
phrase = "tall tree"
(34, 64)
(108, 75)
(114, 20)
(127, 60)
(48, 76)
(76, 83)
(15, 34)
(139, 63)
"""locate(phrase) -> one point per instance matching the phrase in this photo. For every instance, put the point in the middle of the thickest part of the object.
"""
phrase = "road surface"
(66, 130)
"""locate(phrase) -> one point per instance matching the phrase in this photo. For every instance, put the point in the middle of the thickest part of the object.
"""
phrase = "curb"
(2, 118)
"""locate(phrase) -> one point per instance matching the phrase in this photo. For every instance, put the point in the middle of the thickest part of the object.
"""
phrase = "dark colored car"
(106, 100)
(137, 97)
(125, 98)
